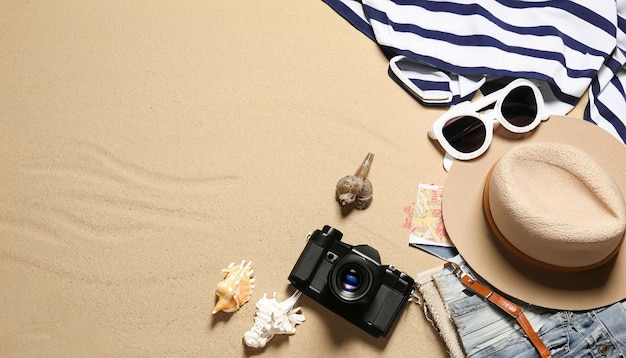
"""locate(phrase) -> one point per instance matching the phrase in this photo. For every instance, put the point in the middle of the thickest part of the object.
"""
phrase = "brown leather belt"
(509, 307)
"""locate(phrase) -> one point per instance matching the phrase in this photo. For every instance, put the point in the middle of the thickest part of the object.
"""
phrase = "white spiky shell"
(273, 317)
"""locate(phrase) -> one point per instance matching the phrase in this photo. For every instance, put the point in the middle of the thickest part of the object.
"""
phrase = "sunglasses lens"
(465, 134)
(519, 107)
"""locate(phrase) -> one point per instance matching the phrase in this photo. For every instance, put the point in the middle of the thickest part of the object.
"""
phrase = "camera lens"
(351, 279)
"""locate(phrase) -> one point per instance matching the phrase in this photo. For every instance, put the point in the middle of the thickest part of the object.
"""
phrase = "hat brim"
(466, 224)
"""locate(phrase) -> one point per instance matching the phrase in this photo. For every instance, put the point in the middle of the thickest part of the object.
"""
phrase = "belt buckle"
(456, 268)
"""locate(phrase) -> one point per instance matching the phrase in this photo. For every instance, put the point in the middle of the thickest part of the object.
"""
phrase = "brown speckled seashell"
(356, 188)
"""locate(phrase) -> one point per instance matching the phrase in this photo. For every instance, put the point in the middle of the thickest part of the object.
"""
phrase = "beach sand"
(145, 146)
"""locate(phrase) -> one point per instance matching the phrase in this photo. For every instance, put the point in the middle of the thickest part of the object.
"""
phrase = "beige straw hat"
(542, 218)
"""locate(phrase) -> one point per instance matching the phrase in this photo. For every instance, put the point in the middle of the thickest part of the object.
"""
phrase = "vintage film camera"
(350, 281)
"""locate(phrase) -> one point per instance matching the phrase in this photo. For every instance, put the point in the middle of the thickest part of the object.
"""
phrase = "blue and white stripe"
(569, 45)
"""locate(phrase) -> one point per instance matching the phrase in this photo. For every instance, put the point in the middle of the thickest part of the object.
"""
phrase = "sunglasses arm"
(485, 101)
(495, 96)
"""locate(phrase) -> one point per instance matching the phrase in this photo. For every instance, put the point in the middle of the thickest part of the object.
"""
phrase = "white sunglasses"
(465, 134)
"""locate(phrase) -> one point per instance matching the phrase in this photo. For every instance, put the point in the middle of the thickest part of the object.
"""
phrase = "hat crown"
(556, 206)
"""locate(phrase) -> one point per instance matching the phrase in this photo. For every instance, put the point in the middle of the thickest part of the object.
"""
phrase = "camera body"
(350, 281)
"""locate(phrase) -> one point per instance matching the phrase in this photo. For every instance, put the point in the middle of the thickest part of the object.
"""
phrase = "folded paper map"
(424, 220)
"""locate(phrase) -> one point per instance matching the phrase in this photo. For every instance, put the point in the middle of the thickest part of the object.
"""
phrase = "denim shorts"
(487, 331)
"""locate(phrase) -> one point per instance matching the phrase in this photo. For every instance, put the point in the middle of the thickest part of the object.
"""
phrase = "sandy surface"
(145, 146)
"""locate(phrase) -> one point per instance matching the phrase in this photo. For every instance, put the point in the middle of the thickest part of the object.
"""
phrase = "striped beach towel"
(442, 52)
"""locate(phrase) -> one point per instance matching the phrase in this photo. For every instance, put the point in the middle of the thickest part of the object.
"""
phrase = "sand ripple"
(80, 201)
